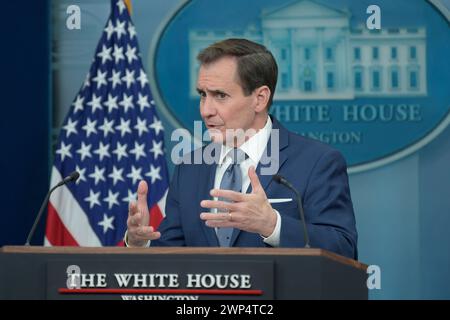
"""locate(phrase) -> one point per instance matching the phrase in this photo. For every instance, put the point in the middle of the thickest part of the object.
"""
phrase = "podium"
(178, 273)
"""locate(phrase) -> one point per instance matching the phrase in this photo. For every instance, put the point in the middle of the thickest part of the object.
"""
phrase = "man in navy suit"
(231, 201)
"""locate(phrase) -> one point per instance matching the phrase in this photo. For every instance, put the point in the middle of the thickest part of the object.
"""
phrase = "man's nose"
(207, 108)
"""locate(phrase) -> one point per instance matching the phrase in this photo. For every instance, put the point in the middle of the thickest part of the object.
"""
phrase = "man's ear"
(262, 95)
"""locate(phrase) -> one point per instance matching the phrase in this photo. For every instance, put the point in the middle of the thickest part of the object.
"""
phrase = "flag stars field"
(102, 151)
(111, 199)
(138, 150)
(141, 126)
(124, 127)
(98, 175)
(157, 126)
(107, 127)
(84, 151)
(143, 102)
(93, 199)
(143, 80)
(64, 151)
(115, 79)
(107, 223)
(89, 127)
(128, 78)
(70, 127)
(105, 54)
(78, 104)
(154, 174)
(127, 102)
(111, 103)
(120, 151)
(82, 172)
(116, 175)
(156, 149)
(135, 174)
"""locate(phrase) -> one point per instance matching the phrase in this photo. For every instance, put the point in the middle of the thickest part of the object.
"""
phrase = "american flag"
(113, 137)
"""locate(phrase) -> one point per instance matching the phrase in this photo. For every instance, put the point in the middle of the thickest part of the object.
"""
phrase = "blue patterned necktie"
(231, 180)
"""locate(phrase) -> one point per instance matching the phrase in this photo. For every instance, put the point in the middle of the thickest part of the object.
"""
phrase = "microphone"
(70, 178)
(279, 179)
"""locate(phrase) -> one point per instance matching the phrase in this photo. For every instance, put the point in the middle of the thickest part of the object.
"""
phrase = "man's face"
(223, 104)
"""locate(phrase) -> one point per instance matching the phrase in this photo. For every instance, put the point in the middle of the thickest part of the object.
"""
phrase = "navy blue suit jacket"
(316, 170)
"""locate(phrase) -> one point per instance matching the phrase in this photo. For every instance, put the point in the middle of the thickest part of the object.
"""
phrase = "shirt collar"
(253, 147)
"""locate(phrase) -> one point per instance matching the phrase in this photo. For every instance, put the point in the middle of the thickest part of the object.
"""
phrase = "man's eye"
(221, 95)
(202, 94)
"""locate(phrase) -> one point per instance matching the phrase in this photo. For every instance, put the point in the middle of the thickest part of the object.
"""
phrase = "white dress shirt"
(254, 148)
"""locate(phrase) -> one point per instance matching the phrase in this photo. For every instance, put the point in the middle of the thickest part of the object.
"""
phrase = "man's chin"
(219, 136)
(229, 137)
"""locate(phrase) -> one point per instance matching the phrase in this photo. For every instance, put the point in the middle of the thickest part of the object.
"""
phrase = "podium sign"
(156, 279)
(178, 273)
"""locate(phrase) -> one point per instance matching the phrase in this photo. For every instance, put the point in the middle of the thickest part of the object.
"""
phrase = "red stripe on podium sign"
(162, 291)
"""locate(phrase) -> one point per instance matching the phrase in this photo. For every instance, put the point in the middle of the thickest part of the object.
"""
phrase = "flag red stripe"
(56, 232)
(155, 216)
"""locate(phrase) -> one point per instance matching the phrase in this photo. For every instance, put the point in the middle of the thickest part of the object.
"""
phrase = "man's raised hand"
(139, 231)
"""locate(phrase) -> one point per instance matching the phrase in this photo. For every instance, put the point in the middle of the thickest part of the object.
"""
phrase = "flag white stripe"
(72, 215)
(162, 203)
(47, 243)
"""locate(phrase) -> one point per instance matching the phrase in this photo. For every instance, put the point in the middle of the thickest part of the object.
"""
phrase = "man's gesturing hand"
(249, 212)
(139, 232)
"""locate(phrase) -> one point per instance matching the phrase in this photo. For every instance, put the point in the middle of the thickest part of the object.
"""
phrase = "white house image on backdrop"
(320, 56)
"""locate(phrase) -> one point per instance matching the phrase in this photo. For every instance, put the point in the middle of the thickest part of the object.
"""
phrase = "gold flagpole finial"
(128, 4)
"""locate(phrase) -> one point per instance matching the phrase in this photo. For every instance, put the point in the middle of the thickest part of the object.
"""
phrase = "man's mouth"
(213, 126)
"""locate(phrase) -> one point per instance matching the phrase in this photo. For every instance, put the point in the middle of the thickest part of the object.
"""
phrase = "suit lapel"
(207, 183)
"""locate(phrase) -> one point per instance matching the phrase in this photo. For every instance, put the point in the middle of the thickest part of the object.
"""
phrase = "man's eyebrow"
(214, 92)
(218, 91)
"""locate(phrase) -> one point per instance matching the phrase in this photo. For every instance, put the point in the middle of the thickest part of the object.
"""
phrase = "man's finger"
(211, 204)
(142, 195)
(144, 231)
(133, 209)
(215, 216)
(254, 180)
(135, 220)
(147, 233)
(228, 194)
